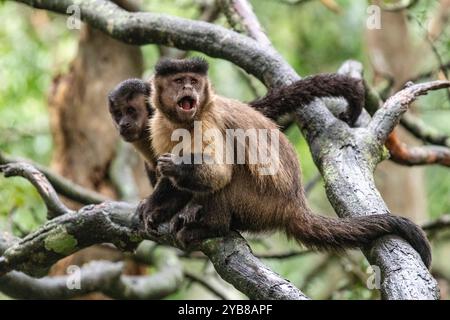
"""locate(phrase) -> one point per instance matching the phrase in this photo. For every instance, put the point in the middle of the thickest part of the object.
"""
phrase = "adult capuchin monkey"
(240, 196)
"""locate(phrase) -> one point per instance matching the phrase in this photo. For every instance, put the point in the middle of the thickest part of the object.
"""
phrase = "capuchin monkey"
(241, 195)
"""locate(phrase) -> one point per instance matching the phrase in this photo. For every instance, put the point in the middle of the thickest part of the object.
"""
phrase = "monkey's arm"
(151, 174)
(206, 177)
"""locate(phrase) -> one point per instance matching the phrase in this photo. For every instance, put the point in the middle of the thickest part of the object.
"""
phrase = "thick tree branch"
(346, 158)
(236, 264)
(143, 28)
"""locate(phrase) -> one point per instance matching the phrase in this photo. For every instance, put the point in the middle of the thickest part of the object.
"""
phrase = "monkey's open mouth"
(187, 103)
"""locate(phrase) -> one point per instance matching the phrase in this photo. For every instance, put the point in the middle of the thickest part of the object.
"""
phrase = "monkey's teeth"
(186, 104)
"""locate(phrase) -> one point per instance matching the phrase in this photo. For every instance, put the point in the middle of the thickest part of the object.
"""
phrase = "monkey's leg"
(205, 177)
(163, 203)
(189, 215)
(198, 222)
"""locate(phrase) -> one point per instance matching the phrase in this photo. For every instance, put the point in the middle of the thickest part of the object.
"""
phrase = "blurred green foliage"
(36, 45)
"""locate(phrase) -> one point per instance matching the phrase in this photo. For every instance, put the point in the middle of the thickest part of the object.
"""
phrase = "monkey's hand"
(201, 178)
(183, 175)
(166, 166)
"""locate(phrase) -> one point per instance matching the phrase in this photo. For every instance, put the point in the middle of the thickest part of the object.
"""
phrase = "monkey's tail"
(325, 233)
(280, 101)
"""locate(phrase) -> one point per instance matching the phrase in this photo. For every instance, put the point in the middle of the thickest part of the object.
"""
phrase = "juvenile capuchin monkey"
(243, 196)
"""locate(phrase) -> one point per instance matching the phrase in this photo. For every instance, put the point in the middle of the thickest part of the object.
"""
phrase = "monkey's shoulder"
(239, 115)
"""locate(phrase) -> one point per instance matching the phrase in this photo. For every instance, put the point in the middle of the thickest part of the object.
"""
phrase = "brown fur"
(237, 197)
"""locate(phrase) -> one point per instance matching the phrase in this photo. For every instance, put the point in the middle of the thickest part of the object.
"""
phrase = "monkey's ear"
(110, 101)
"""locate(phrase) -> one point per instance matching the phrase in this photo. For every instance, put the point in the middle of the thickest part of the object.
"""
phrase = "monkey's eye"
(117, 115)
(194, 81)
(178, 81)
(130, 111)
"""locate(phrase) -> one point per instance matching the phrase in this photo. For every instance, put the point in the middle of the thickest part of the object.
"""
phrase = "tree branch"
(100, 276)
(62, 185)
(192, 276)
(440, 223)
(422, 131)
(143, 28)
(240, 16)
(403, 154)
(54, 206)
(234, 261)
(121, 172)
(386, 118)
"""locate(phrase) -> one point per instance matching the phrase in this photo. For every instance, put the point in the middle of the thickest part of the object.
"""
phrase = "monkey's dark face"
(131, 116)
(182, 96)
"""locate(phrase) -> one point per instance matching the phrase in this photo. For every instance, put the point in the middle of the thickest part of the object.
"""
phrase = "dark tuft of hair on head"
(128, 88)
(166, 66)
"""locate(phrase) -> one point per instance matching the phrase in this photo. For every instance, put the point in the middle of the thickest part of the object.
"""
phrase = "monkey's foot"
(193, 234)
(189, 237)
(150, 215)
(188, 216)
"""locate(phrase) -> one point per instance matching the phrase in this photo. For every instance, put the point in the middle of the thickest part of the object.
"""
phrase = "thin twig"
(440, 223)
(192, 276)
(424, 132)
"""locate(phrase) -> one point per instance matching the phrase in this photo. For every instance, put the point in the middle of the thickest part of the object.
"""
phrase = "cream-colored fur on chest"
(162, 130)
